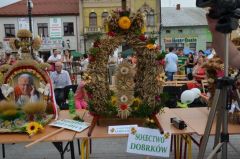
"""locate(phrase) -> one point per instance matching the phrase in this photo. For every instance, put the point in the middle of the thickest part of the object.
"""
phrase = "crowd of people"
(192, 65)
(61, 64)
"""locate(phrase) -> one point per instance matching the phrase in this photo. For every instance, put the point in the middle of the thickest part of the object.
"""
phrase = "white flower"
(124, 99)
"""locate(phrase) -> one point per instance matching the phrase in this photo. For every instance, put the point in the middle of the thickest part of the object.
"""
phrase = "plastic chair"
(59, 96)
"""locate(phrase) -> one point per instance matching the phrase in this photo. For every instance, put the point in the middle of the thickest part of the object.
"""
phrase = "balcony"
(93, 29)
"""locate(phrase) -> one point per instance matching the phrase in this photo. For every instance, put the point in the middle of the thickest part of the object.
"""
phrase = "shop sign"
(55, 28)
(150, 142)
(181, 40)
(48, 43)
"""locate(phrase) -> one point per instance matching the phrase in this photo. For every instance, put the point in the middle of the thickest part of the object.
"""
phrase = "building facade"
(55, 21)
(185, 28)
(95, 12)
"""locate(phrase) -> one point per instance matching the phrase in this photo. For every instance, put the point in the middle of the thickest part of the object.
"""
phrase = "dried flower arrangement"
(28, 116)
(138, 92)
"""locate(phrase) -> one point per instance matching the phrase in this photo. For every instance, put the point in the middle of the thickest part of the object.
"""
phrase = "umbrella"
(186, 51)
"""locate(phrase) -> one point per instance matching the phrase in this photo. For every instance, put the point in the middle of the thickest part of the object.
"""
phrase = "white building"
(56, 21)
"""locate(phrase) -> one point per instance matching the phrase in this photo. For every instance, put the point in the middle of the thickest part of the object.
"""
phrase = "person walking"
(171, 60)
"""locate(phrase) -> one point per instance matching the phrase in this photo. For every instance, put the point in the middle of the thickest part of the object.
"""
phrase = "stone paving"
(102, 149)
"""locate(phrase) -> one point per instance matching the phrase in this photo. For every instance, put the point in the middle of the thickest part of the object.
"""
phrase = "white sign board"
(150, 142)
(55, 28)
(23, 23)
(48, 44)
(70, 124)
(120, 129)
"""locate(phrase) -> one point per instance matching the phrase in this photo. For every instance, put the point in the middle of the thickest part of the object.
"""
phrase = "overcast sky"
(184, 3)
(7, 2)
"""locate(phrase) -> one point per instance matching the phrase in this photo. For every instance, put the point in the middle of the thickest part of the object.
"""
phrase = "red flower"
(142, 38)
(91, 58)
(158, 98)
(111, 33)
(162, 62)
(123, 106)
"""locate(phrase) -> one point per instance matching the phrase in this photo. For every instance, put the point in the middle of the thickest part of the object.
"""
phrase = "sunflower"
(113, 100)
(124, 23)
(33, 127)
(136, 103)
(150, 46)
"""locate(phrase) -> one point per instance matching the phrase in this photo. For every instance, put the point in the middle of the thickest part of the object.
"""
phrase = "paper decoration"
(70, 124)
(120, 129)
(6, 90)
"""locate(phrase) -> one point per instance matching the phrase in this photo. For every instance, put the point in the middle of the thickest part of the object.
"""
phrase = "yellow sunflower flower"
(136, 103)
(150, 46)
(40, 127)
(114, 100)
(124, 23)
(32, 128)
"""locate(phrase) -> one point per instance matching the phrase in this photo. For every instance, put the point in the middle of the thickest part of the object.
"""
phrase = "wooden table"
(196, 118)
(57, 139)
(164, 119)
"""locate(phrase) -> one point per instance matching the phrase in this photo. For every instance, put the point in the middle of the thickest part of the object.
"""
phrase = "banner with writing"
(70, 124)
(150, 142)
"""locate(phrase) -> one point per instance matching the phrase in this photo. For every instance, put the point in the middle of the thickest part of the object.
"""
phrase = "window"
(9, 30)
(192, 46)
(150, 19)
(42, 29)
(104, 16)
(68, 29)
(208, 45)
(104, 21)
(180, 31)
(180, 46)
(168, 45)
(168, 31)
(92, 19)
(174, 45)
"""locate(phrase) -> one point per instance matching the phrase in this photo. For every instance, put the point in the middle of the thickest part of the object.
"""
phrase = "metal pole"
(30, 15)
(225, 114)
(160, 23)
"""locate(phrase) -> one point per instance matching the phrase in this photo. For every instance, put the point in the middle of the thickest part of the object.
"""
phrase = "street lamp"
(30, 6)
(160, 23)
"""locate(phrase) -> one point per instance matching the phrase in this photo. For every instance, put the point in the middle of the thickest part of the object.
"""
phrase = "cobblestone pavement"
(102, 149)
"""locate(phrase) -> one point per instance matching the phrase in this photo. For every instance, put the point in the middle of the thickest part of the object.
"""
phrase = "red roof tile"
(42, 7)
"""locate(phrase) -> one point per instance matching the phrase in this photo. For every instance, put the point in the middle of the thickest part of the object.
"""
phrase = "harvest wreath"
(138, 91)
(28, 98)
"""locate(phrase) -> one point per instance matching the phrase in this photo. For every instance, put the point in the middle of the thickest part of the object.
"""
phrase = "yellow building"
(93, 14)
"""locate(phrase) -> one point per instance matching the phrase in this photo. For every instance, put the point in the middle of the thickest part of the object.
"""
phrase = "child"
(80, 96)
